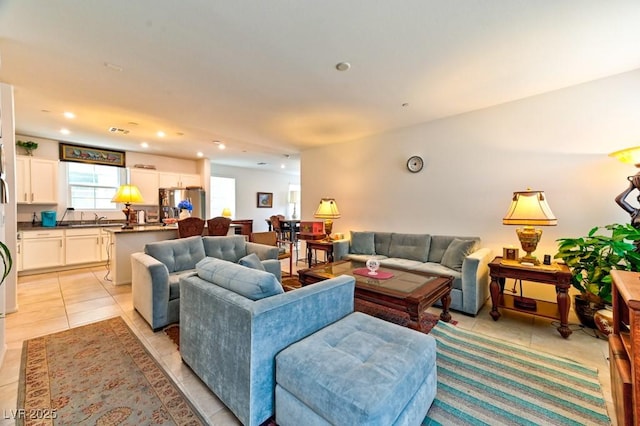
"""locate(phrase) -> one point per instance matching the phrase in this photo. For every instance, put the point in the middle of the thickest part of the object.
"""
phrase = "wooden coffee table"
(412, 292)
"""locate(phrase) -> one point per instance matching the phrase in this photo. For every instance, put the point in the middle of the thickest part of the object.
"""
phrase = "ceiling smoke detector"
(118, 130)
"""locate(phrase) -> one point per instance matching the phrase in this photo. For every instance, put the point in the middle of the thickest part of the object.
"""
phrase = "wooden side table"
(555, 274)
(323, 245)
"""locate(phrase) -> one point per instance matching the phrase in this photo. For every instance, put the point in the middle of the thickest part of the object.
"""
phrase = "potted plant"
(28, 146)
(591, 259)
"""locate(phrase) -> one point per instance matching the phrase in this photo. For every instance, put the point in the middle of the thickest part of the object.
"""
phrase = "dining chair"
(284, 233)
(218, 226)
(271, 239)
(190, 227)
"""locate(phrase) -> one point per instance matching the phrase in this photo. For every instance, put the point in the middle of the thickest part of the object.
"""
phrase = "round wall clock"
(415, 164)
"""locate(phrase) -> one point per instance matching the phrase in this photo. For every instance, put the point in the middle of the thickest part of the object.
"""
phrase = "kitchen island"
(124, 242)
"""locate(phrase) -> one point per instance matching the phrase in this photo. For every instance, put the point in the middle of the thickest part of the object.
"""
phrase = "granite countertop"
(108, 225)
(142, 228)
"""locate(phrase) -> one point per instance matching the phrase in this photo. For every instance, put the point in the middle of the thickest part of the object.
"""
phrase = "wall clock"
(415, 164)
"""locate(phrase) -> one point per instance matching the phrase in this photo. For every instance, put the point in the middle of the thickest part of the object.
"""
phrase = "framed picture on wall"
(265, 199)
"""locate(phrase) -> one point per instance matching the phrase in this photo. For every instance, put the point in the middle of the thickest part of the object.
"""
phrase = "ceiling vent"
(118, 130)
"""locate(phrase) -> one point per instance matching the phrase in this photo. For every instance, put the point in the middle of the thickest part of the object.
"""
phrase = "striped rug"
(482, 381)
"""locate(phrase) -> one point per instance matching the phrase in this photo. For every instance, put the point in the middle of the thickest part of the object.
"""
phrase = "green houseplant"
(28, 146)
(591, 259)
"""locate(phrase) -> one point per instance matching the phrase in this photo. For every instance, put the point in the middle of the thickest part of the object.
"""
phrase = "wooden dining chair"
(218, 226)
(190, 227)
(271, 239)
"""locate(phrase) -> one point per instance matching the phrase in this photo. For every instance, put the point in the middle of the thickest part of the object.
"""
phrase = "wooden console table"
(322, 245)
(624, 346)
(556, 274)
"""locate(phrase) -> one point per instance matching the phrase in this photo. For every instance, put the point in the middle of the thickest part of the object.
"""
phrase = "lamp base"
(529, 238)
(529, 258)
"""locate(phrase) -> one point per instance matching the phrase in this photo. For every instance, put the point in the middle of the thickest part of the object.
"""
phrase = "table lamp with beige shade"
(226, 212)
(529, 209)
(327, 210)
(127, 194)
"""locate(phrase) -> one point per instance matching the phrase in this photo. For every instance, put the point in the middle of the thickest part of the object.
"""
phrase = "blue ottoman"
(359, 370)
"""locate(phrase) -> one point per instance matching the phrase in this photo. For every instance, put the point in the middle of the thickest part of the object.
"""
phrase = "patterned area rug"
(484, 381)
(98, 374)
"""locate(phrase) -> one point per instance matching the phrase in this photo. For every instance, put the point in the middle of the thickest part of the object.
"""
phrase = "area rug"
(484, 381)
(97, 374)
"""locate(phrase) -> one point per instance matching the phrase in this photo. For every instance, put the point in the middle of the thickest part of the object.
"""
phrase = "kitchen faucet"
(98, 218)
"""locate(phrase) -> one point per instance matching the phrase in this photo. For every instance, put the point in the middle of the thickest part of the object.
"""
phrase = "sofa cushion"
(456, 252)
(250, 283)
(230, 248)
(174, 282)
(177, 255)
(362, 243)
(410, 246)
(252, 261)
(382, 243)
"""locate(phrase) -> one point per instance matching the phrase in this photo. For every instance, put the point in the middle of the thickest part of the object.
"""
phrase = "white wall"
(248, 183)
(557, 142)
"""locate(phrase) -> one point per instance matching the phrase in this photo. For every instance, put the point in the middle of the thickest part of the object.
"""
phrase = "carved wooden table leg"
(446, 302)
(495, 289)
(563, 307)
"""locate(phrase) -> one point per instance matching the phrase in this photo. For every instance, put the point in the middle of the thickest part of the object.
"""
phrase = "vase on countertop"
(184, 213)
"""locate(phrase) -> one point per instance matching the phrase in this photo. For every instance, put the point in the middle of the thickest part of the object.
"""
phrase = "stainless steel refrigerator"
(171, 197)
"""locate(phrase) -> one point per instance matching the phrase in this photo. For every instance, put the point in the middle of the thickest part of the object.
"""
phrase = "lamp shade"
(327, 209)
(529, 208)
(226, 212)
(294, 197)
(128, 194)
(628, 155)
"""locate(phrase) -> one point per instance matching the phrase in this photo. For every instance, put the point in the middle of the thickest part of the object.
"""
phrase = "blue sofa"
(155, 273)
(234, 321)
(461, 257)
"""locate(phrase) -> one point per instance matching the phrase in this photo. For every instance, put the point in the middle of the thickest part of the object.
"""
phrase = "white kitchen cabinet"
(18, 256)
(42, 249)
(147, 183)
(178, 180)
(37, 180)
(105, 244)
(82, 245)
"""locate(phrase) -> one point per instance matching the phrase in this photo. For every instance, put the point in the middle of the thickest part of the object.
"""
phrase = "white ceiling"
(260, 75)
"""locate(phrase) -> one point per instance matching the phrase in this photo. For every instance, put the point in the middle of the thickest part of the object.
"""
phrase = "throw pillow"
(362, 243)
(456, 252)
(250, 283)
(252, 261)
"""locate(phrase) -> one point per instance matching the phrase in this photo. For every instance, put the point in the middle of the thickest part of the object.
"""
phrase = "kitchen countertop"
(27, 226)
(142, 228)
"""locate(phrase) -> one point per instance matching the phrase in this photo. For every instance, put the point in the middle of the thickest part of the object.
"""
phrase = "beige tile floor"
(58, 301)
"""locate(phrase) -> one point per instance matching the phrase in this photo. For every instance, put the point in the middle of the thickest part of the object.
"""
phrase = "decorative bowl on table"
(169, 220)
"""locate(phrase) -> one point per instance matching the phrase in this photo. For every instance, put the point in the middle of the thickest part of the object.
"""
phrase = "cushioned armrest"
(273, 266)
(475, 279)
(149, 288)
(263, 251)
(340, 249)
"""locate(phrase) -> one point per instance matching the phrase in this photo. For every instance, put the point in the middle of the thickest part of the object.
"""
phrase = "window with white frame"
(92, 186)
(223, 195)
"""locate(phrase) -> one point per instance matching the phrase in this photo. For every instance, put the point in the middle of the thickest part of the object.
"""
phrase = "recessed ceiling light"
(160, 134)
(343, 66)
(65, 131)
(221, 146)
(144, 145)
(69, 114)
(282, 166)
(200, 154)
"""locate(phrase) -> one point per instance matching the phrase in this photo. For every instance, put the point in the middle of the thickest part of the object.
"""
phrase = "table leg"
(495, 289)
(309, 255)
(446, 302)
(563, 307)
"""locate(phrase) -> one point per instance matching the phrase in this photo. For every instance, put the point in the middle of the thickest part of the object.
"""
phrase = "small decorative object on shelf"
(28, 146)
(185, 207)
(373, 265)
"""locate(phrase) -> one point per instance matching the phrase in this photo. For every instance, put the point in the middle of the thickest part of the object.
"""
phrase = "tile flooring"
(57, 301)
